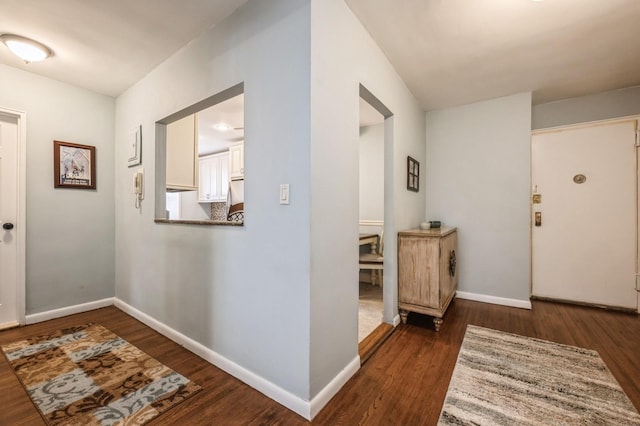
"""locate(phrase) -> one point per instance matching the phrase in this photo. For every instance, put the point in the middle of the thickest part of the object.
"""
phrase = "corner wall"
(601, 106)
(70, 232)
(478, 179)
(371, 190)
(343, 56)
(242, 292)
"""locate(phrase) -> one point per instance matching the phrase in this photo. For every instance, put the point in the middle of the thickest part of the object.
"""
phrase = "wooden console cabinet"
(427, 275)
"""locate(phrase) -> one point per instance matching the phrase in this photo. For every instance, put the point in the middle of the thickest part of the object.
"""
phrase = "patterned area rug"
(506, 379)
(87, 375)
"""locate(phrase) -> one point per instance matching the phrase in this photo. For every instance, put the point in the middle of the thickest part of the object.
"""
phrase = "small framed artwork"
(74, 165)
(134, 152)
(413, 175)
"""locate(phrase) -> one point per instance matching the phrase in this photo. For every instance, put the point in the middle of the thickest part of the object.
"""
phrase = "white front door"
(10, 274)
(584, 247)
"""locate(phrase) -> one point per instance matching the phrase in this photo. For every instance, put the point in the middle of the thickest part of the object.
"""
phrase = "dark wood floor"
(404, 382)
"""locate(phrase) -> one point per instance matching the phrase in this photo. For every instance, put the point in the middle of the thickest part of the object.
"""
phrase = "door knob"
(7, 226)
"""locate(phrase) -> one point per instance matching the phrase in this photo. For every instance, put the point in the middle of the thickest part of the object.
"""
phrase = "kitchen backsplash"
(219, 211)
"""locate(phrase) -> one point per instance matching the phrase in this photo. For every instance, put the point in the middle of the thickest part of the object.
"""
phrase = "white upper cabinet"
(214, 178)
(182, 154)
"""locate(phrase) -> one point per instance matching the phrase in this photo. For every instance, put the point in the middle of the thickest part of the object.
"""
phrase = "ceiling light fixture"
(222, 127)
(25, 48)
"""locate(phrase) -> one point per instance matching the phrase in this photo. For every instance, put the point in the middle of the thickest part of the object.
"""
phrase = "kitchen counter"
(200, 222)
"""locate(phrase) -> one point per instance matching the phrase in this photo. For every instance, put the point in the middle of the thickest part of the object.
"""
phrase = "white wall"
(343, 55)
(371, 174)
(70, 232)
(191, 209)
(242, 292)
(478, 179)
(600, 106)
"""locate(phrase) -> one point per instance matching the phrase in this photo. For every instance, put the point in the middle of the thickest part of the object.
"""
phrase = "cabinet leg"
(437, 322)
(403, 315)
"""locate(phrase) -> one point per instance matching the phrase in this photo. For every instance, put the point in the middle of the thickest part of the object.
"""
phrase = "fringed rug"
(506, 379)
(87, 375)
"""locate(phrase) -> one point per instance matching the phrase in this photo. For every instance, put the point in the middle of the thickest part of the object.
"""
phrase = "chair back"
(381, 243)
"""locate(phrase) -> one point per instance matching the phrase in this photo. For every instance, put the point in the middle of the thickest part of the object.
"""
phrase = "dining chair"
(374, 262)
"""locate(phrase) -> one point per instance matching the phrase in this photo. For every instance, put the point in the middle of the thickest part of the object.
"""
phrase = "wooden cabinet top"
(434, 232)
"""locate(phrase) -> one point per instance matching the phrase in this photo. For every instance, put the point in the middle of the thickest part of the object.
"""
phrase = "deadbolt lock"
(538, 218)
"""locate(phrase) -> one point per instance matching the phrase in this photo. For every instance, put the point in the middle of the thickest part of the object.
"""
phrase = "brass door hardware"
(538, 218)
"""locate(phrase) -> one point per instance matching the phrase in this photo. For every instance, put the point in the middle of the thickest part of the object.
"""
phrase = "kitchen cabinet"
(427, 274)
(213, 182)
(182, 154)
(236, 162)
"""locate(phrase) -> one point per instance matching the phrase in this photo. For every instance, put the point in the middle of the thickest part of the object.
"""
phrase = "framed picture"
(74, 165)
(413, 175)
(135, 147)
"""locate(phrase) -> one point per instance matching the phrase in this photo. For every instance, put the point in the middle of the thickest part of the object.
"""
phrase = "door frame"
(594, 123)
(20, 229)
(389, 276)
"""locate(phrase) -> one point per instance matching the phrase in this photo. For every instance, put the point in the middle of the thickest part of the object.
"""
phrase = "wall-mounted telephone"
(138, 187)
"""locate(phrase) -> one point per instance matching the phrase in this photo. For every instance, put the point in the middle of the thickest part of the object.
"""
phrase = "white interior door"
(9, 302)
(585, 247)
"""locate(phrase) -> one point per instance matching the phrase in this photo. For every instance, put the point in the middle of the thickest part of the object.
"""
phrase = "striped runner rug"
(505, 379)
(86, 375)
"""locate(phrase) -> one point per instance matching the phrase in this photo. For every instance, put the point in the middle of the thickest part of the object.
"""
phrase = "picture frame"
(413, 174)
(135, 148)
(74, 165)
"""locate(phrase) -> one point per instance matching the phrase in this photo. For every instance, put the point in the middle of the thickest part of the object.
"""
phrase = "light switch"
(284, 193)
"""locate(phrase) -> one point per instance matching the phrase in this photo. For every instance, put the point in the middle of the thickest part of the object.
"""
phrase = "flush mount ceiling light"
(222, 127)
(25, 48)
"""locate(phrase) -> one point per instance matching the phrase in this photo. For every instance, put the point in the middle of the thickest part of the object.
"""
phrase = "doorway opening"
(372, 142)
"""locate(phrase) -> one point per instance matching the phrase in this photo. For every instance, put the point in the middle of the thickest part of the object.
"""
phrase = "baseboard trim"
(273, 391)
(10, 324)
(515, 303)
(69, 310)
(328, 392)
(396, 320)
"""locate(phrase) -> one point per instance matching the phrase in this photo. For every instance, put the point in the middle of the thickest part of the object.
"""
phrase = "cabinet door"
(205, 170)
(224, 177)
(418, 271)
(182, 154)
(214, 178)
(448, 267)
(236, 162)
(220, 177)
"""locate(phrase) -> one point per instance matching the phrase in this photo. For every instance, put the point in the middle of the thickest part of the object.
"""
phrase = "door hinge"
(637, 134)
(637, 282)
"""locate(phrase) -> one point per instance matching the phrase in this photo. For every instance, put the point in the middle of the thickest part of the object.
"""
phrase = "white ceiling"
(449, 52)
(452, 52)
(229, 112)
(107, 45)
